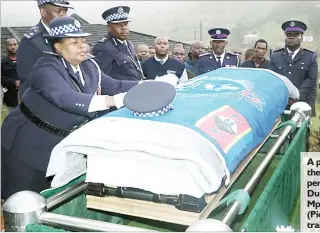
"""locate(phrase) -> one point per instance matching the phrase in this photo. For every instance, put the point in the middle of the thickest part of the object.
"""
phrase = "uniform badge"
(292, 24)
(77, 23)
(120, 10)
(218, 32)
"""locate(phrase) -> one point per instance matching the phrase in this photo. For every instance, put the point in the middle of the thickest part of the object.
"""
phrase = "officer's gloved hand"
(118, 99)
(168, 78)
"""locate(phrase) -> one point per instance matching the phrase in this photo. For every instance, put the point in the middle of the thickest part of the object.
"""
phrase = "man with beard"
(219, 57)
(296, 63)
(191, 61)
(33, 44)
(114, 53)
(258, 60)
(9, 79)
(161, 64)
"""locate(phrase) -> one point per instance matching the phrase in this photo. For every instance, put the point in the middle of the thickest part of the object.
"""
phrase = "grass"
(4, 113)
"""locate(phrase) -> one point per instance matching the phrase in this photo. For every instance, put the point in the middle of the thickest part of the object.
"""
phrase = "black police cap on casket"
(150, 99)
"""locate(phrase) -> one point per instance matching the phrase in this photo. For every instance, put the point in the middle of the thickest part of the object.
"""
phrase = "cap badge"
(120, 10)
(218, 32)
(77, 23)
(292, 24)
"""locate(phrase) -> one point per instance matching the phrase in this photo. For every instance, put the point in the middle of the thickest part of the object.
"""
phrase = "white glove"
(118, 99)
(168, 78)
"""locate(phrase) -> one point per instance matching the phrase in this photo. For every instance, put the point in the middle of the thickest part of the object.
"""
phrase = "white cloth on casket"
(174, 159)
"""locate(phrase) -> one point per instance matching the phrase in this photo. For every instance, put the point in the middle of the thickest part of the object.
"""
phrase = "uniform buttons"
(290, 64)
(289, 72)
(77, 104)
(82, 105)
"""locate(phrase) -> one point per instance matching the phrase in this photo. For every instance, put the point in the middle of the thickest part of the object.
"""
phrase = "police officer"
(33, 43)
(66, 90)
(219, 57)
(114, 53)
(296, 63)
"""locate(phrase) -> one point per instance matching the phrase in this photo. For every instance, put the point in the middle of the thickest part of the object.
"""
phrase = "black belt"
(45, 125)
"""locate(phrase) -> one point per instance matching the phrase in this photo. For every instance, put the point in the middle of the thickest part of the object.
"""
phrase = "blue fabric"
(253, 96)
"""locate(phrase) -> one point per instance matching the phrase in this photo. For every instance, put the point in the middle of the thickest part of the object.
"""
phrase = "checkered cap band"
(64, 29)
(117, 16)
(155, 113)
(41, 2)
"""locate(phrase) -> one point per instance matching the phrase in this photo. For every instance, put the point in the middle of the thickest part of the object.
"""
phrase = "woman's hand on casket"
(115, 101)
(118, 100)
(168, 78)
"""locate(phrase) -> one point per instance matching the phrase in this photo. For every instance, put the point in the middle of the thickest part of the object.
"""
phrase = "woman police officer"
(67, 90)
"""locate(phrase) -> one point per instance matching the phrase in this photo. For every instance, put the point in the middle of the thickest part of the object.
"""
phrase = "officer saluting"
(296, 63)
(219, 57)
(33, 43)
(114, 53)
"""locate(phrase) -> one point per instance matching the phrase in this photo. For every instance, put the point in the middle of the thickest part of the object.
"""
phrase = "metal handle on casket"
(27, 207)
(302, 112)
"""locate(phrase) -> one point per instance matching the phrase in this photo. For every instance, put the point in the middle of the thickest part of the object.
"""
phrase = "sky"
(27, 14)
(174, 19)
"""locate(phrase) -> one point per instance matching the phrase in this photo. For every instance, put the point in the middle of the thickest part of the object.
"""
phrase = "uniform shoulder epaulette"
(304, 49)
(89, 56)
(33, 32)
(278, 50)
(232, 54)
(204, 54)
(102, 40)
(50, 53)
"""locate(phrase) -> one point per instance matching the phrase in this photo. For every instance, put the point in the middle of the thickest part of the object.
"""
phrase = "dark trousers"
(17, 176)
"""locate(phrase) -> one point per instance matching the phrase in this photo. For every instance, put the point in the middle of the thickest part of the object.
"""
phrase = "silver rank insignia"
(120, 10)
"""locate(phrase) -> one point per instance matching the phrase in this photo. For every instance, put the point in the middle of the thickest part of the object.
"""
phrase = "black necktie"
(291, 55)
(219, 61)
(78, 78)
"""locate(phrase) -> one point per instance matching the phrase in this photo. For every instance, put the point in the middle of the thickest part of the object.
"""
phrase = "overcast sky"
(26, 13)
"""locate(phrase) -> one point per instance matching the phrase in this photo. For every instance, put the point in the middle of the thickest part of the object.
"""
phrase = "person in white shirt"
(161, 64)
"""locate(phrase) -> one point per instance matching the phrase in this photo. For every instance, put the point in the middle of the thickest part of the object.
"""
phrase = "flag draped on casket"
(217, 119)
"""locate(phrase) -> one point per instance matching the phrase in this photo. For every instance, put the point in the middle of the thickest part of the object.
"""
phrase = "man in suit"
(33, 43)
(114, 53)
(296, 63)
(219, 57)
